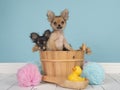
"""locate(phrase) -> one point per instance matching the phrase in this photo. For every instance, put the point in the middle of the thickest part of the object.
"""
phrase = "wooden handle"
(66, 83)
(56, 80)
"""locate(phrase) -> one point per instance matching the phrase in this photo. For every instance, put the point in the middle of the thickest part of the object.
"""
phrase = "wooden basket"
(60, 63)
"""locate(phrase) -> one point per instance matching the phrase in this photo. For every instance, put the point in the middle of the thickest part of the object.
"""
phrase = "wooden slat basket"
(60, 63)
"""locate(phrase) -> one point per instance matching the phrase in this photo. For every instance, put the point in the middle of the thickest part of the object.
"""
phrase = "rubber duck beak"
(74, 69)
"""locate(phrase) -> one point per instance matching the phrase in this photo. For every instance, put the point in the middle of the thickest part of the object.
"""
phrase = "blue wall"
(94, 22)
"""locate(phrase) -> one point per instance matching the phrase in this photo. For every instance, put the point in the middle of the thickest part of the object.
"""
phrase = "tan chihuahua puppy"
(57, 40)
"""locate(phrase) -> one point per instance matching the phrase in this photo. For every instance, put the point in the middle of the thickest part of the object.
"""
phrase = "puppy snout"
(59, 26)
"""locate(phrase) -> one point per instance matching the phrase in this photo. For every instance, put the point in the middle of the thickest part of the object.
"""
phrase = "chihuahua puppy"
(40, 41)
(57, 41)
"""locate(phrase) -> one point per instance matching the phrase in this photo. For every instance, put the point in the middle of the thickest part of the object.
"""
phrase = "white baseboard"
(111, 67)
(10, 67)
(13, 67)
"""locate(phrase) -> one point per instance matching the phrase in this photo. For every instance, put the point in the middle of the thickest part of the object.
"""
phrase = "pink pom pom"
(29, 75)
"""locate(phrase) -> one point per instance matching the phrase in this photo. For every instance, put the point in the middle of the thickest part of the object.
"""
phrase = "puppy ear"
(50, 16)
(64, 14)
(34, 36)
(47, 33)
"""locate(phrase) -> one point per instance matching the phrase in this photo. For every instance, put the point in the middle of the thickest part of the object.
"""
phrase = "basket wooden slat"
(60, 63)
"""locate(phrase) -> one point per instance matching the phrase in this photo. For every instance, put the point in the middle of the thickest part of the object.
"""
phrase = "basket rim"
(63, 51)
(62, 60)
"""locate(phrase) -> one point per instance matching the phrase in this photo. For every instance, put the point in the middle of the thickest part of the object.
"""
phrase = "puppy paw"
(88, 51)
(85, 49)
(35, 48)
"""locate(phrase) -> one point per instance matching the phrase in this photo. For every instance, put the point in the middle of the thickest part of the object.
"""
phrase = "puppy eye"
(62, 22)
(55, 23)
(38, 42)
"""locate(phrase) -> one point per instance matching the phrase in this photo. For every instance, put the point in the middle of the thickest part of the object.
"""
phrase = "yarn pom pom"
(29, 75)
(94, 73)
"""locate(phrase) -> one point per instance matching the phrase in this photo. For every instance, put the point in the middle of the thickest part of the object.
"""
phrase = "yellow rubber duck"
(75, 75)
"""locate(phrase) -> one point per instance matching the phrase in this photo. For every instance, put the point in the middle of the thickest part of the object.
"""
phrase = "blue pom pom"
(94, 73)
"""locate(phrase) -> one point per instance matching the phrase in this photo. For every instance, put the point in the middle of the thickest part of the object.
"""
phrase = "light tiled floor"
(9, 82)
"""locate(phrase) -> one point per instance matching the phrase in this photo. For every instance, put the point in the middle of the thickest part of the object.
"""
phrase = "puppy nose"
(59, 25)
